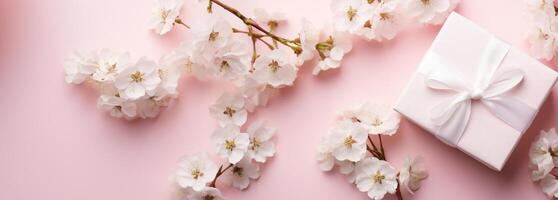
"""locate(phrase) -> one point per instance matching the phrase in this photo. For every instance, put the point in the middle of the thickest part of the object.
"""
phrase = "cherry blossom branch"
(179, 21)
(253, 35)
(295, 46)
(220, 172)
(398, 189)
(254, 49)
(378, 153)
(382, 146)
(381, 154)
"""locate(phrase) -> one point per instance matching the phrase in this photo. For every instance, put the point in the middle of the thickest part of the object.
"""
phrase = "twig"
(379, 151)
(254, 36)
(373, 152)
(372, 142)
(398, 189)
(179, 21)
(220, 172)
(254, 49)
(382, 146)
(249, 22)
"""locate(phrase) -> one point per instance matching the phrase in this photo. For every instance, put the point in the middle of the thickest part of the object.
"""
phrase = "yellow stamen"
(213, 36)
(349, 141)
(112, 68)
(378, 177)
(377, 122)
(385, 16)
(351, 13)
(272, 24)
(274, 65)
(229, 111)
(255, 144)
(196, 173)
(224, 66)
(237, 170)
(230, 145)
(137, 76)
(164, 14)
(368, 24)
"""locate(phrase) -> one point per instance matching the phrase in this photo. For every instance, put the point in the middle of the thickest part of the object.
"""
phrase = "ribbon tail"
(452, 130)
(513, 112)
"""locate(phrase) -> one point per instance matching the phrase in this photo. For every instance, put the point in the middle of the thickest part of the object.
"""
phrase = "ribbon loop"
(452, 114)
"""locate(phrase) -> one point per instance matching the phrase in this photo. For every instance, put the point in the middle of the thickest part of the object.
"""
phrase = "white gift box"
(475, 92)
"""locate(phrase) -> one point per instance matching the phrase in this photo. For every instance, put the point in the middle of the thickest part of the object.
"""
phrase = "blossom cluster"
(243, 152)
(218, 49)
(377, 20)
(542, 33)
(349, 146)
(543, 155)
(128, 89)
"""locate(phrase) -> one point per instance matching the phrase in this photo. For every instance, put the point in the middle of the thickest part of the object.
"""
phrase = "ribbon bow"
(452, 115)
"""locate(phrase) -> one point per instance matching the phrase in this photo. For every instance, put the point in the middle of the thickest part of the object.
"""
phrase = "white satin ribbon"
(452, 115)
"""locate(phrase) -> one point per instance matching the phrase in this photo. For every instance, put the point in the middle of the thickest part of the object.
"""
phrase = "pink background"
(55, 144)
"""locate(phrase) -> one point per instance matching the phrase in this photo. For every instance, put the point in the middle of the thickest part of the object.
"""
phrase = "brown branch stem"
(220, 172)
(250, 22)
(254, 36)
(398, 189)
(382, 146)
(379, 152)
(179, 21)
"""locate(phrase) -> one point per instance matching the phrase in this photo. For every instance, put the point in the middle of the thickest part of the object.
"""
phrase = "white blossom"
(80, 66)
(275, 69)
(195, 171)
(309, 36)
(332, 51)
(350, 15)
(261, 147)
(164, 15)
(211, 34)
(348, 168)
(549, 186)
(324, 156)
(150, 107)
(207, 193)
(412, 173)
(425, 11)
(545, 6)
(185, 57)
(542, 35)
(376, 118)
(231, 143)
(118, 107)
(170, 71)
(229, 109)
(386, 22)
(376, 177)
(138, 80)
(179, 193)
(255, 94)
(110, 64)
(348, 142)
(441, 17)
(230, 62)
(241, 173)
(543, 154)
(272, 20)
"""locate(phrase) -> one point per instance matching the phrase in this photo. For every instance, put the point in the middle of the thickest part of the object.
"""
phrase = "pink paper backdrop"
(55, 144)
